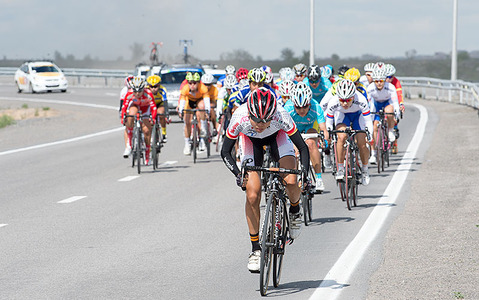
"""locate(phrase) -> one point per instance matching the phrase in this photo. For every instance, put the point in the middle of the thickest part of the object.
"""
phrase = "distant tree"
(411, 53)
(239, 55)
(58, 57)
(137, 52)
(335, 57)
(287, 55)
(305, 57)
(463, 55)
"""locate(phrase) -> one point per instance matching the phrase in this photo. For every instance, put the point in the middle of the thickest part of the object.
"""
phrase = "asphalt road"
(177, 233)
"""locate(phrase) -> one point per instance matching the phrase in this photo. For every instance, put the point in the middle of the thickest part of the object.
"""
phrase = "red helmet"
(261, 105)
(242, 73)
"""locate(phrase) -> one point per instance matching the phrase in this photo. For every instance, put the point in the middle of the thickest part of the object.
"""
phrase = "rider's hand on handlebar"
(241, 181)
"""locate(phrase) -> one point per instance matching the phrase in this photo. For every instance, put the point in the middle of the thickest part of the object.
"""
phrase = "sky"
(106, 29)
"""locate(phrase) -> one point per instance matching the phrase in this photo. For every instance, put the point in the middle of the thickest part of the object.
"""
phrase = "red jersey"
(398, 87)
(145, 103)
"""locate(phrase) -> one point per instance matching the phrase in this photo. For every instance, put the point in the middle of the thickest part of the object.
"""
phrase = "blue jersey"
(313, 118)
(241, 96)
(323, 87)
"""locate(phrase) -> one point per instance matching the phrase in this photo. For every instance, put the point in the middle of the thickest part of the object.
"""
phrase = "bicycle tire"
(347, 173)
(311, 193)
(155, 147)
(195, 142)
(208, 139)
(352, 182)
(280, 242)
(379, 149)
(220, 135)
(304, 200)
(267, 240)
(133, 149)
(139, 150)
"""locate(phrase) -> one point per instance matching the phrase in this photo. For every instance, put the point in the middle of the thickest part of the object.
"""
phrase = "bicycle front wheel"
(155, 146)
(208, 140)
(304, 200)
(195, 141)
(139, 150)
(280, 242)
(267, 242)
(352, 182)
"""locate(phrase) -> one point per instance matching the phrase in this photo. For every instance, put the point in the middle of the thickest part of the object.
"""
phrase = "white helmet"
(369, 67)
(286, 73)
(326, 72)
(230, 81)
(379, 65)
(207, 78)
(379, 74)
(230, 69)
(301, 95)
(300, 69)
(345, 89)
(286, 87)
(137, 84)
(390, 70)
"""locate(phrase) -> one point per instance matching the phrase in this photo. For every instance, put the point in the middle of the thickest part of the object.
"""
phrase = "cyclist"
(286, 87)
(382, 96)
(366, 79)
(318, 84)
(194, 95)
(258, 123)
(300, 73)
(354, 75)
(350, 107)
(256, 78)
(285, 73)
(242, 77)
(309, 118)
(327, 72)
(223, 105)
(159, 92)
(207, 80)
(138, 100)
(269, 80)
(230, 69)
(390, 71)
(123, 92)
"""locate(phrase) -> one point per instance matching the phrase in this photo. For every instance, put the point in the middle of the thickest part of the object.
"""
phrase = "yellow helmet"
(153, 80)
(352, 74)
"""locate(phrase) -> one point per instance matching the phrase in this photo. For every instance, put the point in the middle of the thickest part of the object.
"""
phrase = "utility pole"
(185, 49)
(454, 44)
(311, 32)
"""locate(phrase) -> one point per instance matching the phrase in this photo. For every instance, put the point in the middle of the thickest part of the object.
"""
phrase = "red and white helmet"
(261, 105)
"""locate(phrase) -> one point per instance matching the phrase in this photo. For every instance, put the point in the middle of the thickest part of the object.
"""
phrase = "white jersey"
(240, 123)
(335, 112)
(388, 93)
(364, 80)
(123, 92)
(324, 102)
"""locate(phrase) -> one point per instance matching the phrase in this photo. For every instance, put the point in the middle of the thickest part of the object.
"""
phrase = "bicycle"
(352, 170)
(157, 141)
(382, 144)
(138, 147)
(308, 193)
(195, 135)
(275, 225)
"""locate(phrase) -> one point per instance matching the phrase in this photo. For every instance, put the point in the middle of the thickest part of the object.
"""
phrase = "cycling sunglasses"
(304, 107)
(313, 82)
(378, 81)
(154, 86)
(258, 120)
(346, 100)
(193, 82)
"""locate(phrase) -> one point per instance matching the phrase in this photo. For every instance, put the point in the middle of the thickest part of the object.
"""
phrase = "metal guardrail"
(457, 91)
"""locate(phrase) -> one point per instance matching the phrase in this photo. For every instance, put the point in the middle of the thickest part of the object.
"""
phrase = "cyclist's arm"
(165, 100)
(228, 145)
(298, 141)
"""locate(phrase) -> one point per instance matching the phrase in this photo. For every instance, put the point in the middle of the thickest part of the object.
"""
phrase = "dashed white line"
(346, 264)
(3, 225)
(168, 163)
(71, 199)
(128, 178)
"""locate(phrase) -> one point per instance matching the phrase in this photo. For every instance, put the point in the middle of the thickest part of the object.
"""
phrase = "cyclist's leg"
(287, 160)
(132, 110)
(161, 110)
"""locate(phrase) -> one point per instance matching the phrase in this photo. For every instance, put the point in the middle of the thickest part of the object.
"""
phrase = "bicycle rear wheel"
(352, 182)
(134, 151)
(208, 139)
(304, 200)
(139, 150)
(267, 242)
(379, 149)
(347, 178)
(280, 242)
(195, 141)
(219, 141)
(155, 146)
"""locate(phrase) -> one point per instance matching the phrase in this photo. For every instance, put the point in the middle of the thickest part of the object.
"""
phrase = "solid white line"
(3, 225)
(337, 278)
(62, 141)
(60, 102)
(128, 178)
(71, 199)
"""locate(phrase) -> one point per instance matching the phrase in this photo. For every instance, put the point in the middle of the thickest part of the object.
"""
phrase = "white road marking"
(71, 199)
(112, 94)
(62, 141)
(128, 178)
(168, 163)
(60, 102)
(3, 225)
(352, 255)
